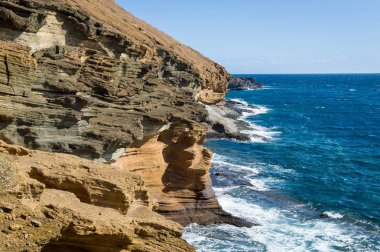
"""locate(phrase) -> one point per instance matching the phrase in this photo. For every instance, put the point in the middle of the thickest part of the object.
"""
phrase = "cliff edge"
(86, 81)
(60, 202)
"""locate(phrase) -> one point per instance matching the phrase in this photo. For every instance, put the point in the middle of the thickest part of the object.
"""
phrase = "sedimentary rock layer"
(175, 168)
(77, 211)
(88, 79)
(78, 80)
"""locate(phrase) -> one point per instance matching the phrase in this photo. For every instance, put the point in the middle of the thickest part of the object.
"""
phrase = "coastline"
(116, 137)
(256, 180)
(102, 113)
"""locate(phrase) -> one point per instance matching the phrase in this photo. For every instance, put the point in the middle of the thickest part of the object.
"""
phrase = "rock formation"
(88, 79)
(243, 83)
(87, 82)
(52, 201)
(175, 168)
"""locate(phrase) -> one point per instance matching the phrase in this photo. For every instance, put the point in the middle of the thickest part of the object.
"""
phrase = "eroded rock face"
(88, 79)
(93, 183)
(78, 80)
(175, 167)
(38, 215)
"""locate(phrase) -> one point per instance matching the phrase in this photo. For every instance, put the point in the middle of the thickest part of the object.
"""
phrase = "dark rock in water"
(225, 175)
(243, 83)
(324, 215)
(226, 218)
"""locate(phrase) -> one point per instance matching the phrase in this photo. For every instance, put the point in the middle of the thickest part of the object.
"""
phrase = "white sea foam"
(267, 87)
(257, 110)
(250, 110)
(220, 160)
(256, 133)
(254, 169)
(260, 134)
(236, 167)
(259, 185)
(223, 190)
(333, 215)
(262, 184)
(279, 230)
(256, 89)
(243, 209)
(240, 101)
(276, 168)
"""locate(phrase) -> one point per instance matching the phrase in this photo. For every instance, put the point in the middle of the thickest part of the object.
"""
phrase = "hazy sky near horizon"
(273, 36)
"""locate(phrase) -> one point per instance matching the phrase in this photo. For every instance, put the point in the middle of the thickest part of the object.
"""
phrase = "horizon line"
(297, 73)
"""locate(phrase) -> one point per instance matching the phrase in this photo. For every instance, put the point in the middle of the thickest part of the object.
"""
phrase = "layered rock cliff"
(88, 79)
(59, 202)
(175, 167)
(88, 82)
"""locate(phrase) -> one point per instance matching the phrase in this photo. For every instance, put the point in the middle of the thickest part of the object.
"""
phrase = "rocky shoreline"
(243, 83)
(226, 120)
(102, 125)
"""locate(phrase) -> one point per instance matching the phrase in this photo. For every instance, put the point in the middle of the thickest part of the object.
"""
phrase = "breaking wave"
(257, 133)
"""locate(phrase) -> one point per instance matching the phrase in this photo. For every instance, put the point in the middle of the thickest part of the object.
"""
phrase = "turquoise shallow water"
(315, 151)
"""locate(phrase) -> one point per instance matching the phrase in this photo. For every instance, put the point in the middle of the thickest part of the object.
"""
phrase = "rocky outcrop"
(175, 168)
(67, 215)
(228, 119)
(92, 183)
(223, 120)
(243, 83)
(88, 79)
(78, 80)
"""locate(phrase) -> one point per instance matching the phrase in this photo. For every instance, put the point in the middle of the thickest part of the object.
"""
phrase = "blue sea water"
(315, 152)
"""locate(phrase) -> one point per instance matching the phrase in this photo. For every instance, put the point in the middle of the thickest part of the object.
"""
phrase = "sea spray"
(314, 185)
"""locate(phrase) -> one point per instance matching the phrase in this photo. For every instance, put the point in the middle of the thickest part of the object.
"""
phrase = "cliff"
(88, 79)
(88, 82)
(52, 201)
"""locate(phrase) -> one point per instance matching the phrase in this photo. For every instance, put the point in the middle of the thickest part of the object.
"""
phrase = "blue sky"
(273, 36)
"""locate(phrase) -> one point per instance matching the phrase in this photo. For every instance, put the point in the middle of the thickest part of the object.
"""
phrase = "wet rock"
(243, 83)
(224, 122)
(324, 215)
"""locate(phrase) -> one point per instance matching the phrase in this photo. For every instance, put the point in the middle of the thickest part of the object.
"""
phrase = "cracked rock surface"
(38, 215)
(78, 80)
(102, 122)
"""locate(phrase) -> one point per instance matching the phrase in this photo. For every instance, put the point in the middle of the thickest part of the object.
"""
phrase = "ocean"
(310, 176)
